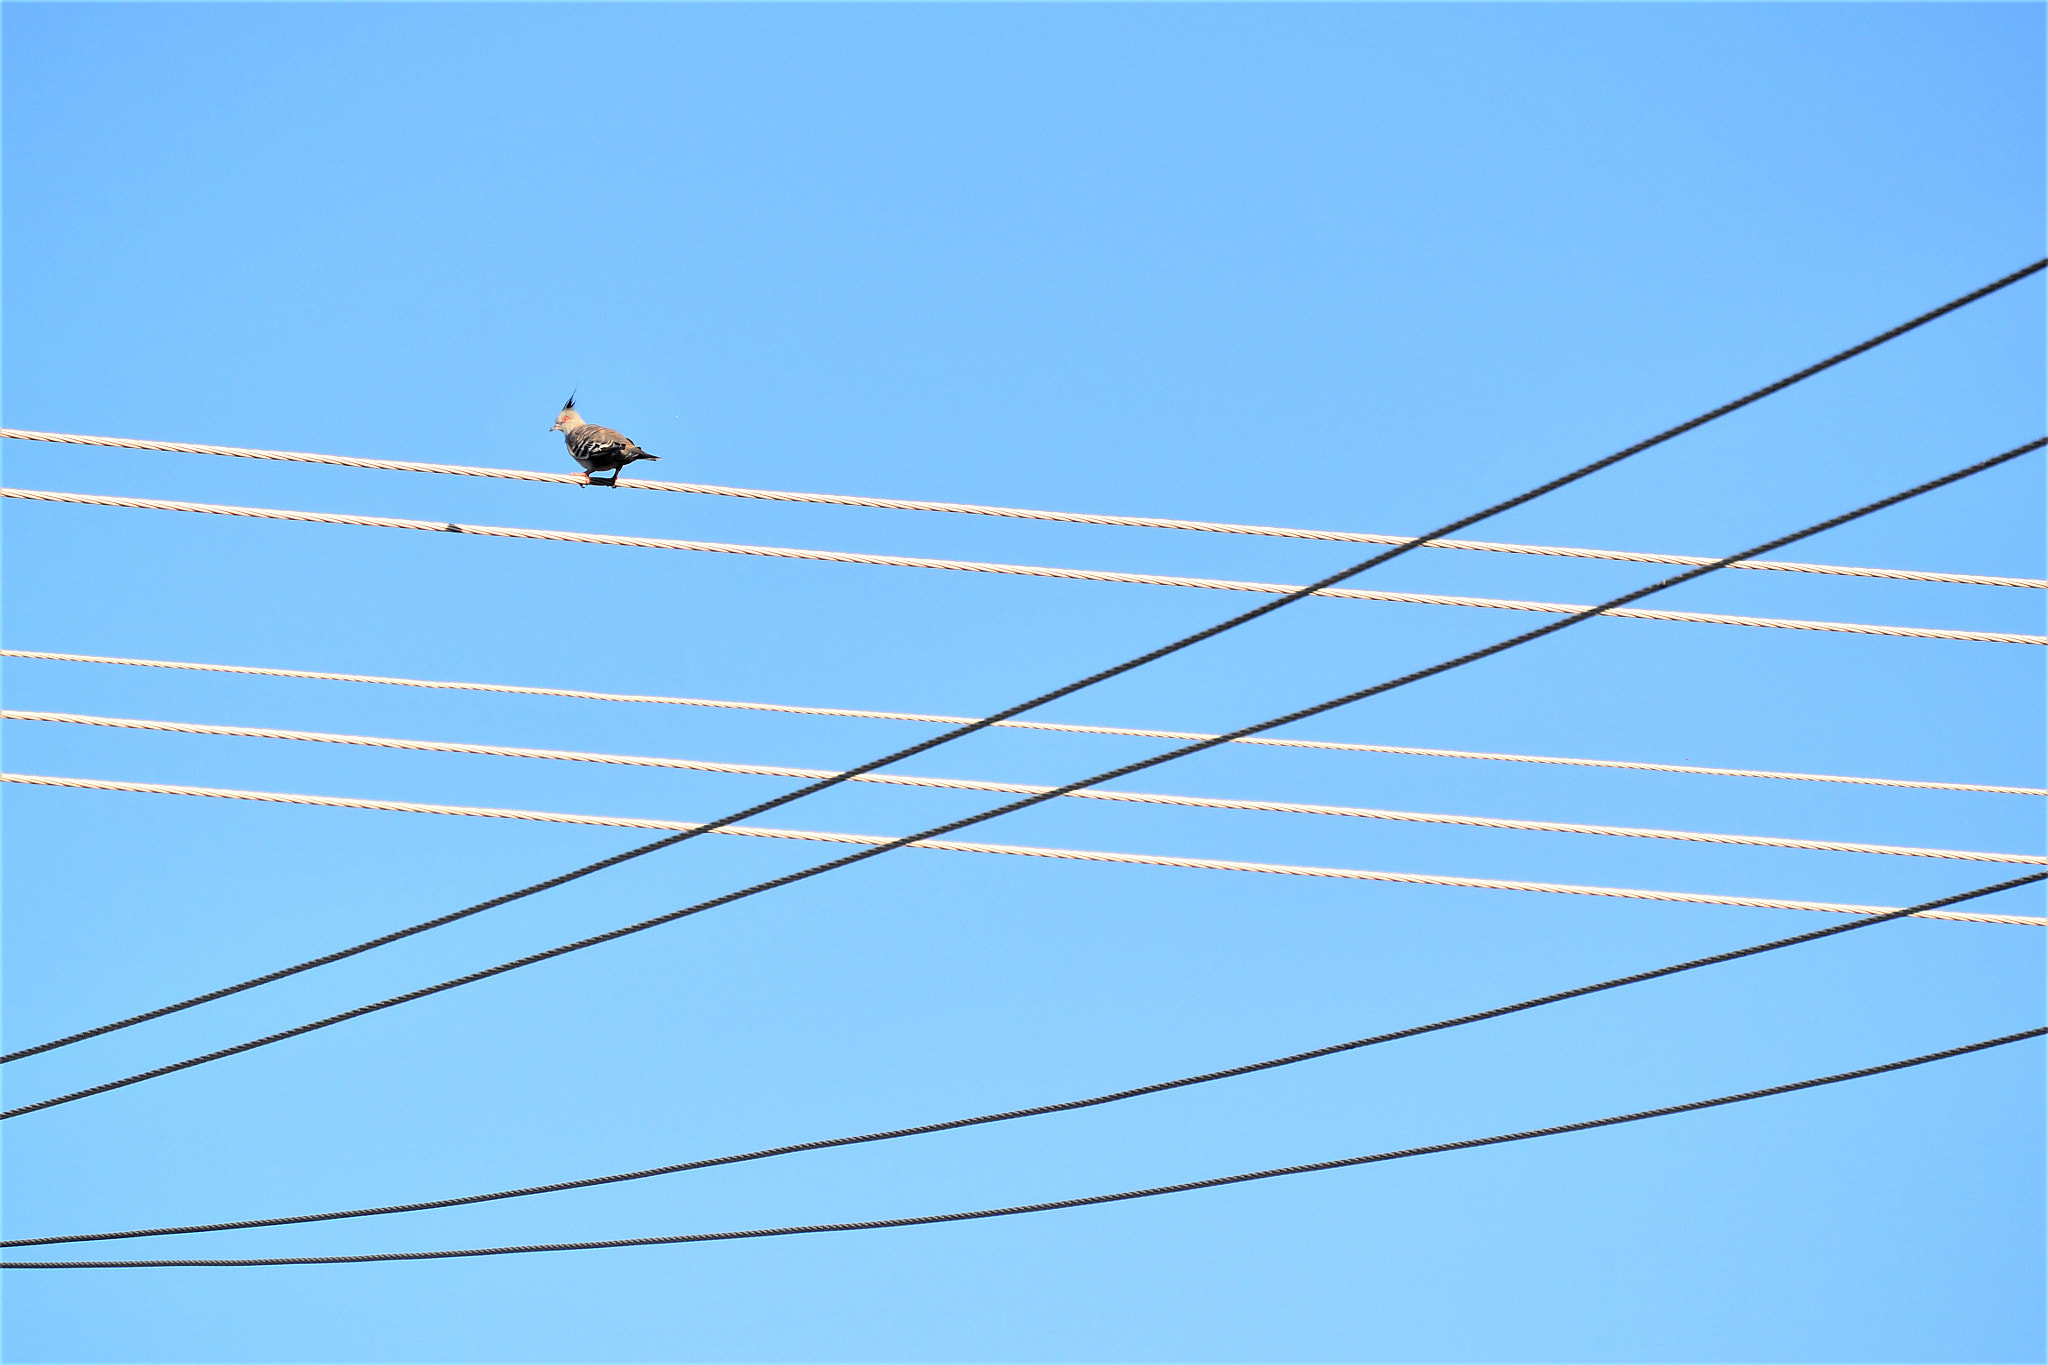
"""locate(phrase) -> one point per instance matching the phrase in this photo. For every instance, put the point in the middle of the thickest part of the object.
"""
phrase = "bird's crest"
(569, 419)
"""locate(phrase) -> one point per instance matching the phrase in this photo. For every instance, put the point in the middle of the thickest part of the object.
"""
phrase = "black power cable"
(1005, 1116)
(1035, 799)
(1041, 700)
(1047, 1207)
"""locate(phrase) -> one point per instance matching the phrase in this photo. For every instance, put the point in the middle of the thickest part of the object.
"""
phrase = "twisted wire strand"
(1048, 1206)
(949, 846)
(1472, 656)
(870, 840)
(782, 709)
(1286, 591)
(1017, 513)
(976, 785)
(873, 841)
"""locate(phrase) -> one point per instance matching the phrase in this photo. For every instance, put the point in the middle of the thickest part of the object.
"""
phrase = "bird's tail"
(641, 455)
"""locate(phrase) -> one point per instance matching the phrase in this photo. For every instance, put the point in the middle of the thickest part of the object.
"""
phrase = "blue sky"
(1358, 267)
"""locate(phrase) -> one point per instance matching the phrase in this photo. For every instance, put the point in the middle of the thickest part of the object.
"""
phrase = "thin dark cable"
(1024, 802)
(1037, 1110)
(1045, 698)
(1047, 1207)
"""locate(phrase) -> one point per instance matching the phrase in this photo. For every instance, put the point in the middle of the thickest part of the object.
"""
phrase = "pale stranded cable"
(1024, 570)
(1017, 513)
(969, 784)
(840, 711)
(1017, 850)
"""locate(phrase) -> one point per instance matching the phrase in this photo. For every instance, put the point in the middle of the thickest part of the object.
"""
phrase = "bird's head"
(569, 417)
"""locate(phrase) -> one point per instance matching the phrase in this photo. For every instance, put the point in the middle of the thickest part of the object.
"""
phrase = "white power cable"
(956, 846)
(1025, 570)
(783, 709)
(968, 784)
(1019, 513)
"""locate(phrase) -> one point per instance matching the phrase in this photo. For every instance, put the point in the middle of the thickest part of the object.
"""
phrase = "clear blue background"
(1357, 267)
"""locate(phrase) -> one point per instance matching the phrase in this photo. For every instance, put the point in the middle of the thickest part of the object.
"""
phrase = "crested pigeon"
(596, 448)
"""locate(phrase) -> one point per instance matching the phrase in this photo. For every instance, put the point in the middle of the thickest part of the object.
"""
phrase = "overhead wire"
(923, 718)
(1284, 590)
(1037, 1111)
(876, 1224)
(941, 845)
(1019, 513)
(979, 785)
(1141, 660)
(1163, 651)
(1257, 1175)
(786, 879)
(817, 836)
(1242, 618)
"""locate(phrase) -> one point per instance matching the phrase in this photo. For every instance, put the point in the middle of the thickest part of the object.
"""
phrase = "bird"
(596, 448)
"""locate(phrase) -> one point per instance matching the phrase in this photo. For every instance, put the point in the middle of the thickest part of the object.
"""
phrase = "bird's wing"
(596, 440)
